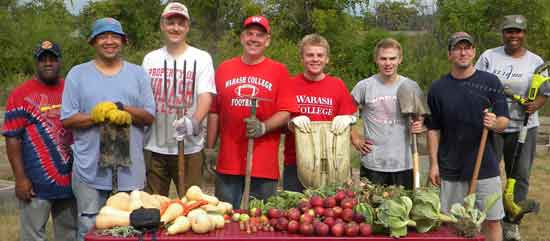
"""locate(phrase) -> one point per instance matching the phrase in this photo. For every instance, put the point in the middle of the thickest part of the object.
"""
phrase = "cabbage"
(469, 218)
(426, 211)
(394, 214)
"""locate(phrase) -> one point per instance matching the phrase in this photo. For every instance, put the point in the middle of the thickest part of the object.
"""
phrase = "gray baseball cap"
(514, 21)
(459, 36)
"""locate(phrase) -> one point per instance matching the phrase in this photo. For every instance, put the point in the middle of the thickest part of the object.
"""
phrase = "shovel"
(115, 150)
(413, 104)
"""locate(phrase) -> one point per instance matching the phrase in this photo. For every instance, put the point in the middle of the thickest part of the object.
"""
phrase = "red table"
(232, 232)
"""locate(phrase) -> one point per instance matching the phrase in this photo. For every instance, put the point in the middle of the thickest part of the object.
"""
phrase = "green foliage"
(393, 15)
(352, 31)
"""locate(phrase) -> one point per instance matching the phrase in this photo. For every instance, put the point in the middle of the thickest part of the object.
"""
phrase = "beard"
(49, 80)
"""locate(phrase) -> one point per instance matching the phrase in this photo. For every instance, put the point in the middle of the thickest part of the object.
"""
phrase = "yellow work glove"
(119, 117)
(100, 111)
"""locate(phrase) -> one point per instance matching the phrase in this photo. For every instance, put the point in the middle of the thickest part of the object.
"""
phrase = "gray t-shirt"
(515, 73)
(85, 86)
(383, 124)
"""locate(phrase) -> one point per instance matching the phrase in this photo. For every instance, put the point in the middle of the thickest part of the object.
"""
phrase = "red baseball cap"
(258, 20)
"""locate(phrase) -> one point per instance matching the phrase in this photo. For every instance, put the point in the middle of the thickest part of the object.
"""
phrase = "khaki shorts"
(454, 192)
(162, 169)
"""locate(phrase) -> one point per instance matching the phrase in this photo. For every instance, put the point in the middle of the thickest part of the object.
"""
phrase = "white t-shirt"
(160, 135)
(515, 73)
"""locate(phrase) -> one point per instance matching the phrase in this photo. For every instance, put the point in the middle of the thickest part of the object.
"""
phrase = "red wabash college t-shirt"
(320, 101)
(268, 80)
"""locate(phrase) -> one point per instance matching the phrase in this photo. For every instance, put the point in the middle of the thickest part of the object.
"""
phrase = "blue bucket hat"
(106, 25)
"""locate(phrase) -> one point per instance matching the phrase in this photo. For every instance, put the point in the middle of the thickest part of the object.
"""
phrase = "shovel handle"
(481, 150)
(416, 164)
(249, 156)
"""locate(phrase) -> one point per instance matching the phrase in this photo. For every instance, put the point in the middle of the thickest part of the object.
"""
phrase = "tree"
(393, 15)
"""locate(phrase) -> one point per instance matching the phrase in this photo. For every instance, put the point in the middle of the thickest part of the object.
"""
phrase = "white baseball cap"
(175, 8)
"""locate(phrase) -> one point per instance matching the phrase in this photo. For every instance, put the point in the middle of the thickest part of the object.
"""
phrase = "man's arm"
(78, 121)
(433, 145)
(359, 142)
(23, 186)
(212, 130)
(204, 101)
(277, 120)
(531, 107)
(140, 116)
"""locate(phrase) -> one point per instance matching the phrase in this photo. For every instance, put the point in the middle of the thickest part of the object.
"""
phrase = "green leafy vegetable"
(394, 214)
(119, 232)
(426, 211)
(367, 211)
(469, 218)
(283, 200)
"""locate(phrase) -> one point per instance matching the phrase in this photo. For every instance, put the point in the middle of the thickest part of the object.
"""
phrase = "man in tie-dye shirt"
(38, 149)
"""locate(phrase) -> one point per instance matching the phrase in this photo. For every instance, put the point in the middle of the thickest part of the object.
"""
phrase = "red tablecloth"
(232, 232)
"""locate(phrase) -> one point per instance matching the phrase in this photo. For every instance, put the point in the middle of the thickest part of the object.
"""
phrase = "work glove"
(185, 126)
(119, 117)
(302, 123)
(209, 164)
(99, 112)
(341, 122)
(254, 127)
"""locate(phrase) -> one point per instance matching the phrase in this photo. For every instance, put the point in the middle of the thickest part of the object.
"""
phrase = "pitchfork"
(181, 110)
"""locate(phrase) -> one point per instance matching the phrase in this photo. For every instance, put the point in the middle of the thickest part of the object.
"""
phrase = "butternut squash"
(209, 208)
(180, 225)
(110, 217)
(200, 224)
(120, 200)
(217, 220)
(193, 193)
(149, 201)
(135, 200)
(161, 198)
(194, 213)
(226, 207)
(210, 199)
(174, 210)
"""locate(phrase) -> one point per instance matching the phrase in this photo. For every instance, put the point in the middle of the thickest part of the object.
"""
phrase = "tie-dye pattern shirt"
(32, 115)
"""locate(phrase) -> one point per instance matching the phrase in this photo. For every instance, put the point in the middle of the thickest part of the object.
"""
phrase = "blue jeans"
(290, 179)
(88, 201)
(230, 188)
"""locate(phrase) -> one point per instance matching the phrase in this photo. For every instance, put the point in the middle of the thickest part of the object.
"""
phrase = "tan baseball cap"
(175, 8)
(459, 36)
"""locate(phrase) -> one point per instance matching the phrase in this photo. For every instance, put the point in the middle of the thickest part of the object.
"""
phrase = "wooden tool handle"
(249, 156)
(181, 169)
(416, 164)
(479, 158)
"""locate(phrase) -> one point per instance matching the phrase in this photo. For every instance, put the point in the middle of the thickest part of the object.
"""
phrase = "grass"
(533, 228)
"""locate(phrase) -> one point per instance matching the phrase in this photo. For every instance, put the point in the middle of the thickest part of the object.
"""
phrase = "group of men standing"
(53, 135)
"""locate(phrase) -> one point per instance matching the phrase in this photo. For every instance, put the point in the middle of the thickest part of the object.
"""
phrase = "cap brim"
(170, 14)
(512, 26)
(257, 24)
(456, 41)
(43, 51)
(91, 38)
